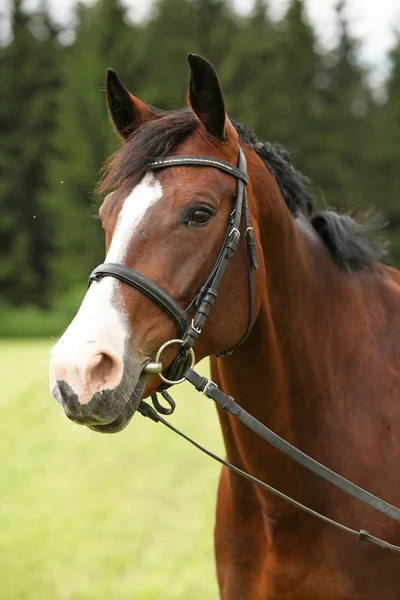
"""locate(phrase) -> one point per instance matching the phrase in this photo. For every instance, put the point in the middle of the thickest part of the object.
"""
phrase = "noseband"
(189, 328)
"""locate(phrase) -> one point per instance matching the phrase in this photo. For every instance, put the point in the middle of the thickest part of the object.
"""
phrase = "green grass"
(85, 516)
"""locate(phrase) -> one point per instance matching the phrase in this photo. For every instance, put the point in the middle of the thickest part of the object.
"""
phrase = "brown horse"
(321, 366)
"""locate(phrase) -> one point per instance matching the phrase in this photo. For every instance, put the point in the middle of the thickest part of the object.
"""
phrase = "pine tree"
(343, 110)
(217, 30)
(299, 66)
(382, 176)
(83, 139)
(29, 67)
(177, 27)
(170, 34)
(253, 75)
(271, 81)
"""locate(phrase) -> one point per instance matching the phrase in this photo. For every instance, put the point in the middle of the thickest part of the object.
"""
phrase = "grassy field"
(85, 516)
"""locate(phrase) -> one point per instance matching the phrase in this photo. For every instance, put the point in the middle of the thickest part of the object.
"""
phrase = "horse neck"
(280, 374)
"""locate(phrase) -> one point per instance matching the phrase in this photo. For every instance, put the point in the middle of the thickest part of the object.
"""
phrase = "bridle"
(189, 328)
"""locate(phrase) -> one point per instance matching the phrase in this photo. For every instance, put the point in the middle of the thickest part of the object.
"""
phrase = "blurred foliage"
(30, 77)
(30, 320)
(55, 132)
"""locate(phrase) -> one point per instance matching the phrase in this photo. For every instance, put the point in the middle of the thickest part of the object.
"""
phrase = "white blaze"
(135, 206)
(101, 325)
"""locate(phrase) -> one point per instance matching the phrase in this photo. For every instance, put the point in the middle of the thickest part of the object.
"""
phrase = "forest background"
(342, 132)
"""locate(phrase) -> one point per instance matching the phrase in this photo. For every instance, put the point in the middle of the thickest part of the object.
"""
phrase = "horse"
(320, 364)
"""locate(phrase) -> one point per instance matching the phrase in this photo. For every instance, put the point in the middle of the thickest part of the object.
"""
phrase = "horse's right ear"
(126, 111)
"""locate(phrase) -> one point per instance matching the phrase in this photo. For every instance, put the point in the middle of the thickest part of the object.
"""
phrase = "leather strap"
(146, 287)
(209, 291)
(251, 248)
(362, 535)
(200, 161)
(211, 390)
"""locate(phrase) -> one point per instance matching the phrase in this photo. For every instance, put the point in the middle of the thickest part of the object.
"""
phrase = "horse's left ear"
(126, 111)
(205, 96)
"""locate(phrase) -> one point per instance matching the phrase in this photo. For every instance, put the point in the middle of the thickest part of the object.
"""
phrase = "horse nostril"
(102, 371)
(104, 366)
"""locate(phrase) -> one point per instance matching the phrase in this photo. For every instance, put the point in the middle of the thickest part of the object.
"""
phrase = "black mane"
(347, 240)
(294, 186)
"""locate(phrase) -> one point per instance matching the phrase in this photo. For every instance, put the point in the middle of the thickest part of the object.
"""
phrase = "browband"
(199, 161)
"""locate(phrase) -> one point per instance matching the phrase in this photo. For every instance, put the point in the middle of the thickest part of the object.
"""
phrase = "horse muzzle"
(108, 411)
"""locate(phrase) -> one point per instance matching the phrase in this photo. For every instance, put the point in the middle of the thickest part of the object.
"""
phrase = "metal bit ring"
(158, 356)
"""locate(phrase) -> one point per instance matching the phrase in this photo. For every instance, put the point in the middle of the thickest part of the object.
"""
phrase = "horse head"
(167, 225)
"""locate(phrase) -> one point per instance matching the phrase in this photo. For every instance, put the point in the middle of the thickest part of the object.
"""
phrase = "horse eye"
(199, 217)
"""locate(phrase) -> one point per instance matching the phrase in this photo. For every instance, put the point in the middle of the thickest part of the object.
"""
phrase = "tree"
(272, 65)
(177, 27)
(83, 138)
(30, 77)
(382, 175)
(344, 107)
(297, 121)
(253, 74)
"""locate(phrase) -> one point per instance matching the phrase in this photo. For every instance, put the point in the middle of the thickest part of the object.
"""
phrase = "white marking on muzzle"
(101, 326)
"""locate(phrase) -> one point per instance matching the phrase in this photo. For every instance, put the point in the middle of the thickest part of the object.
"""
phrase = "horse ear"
(205, 96)
(126, 111)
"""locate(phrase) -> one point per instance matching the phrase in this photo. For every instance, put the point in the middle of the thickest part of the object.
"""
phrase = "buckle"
(235, 231)
(196, 329)
(233, 241)
(207, 387)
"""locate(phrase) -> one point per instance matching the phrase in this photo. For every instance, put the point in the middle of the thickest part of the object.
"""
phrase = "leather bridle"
(189, 328)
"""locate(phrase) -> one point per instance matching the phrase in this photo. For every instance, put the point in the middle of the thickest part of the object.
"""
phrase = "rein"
(362, 535)
(190, 329)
